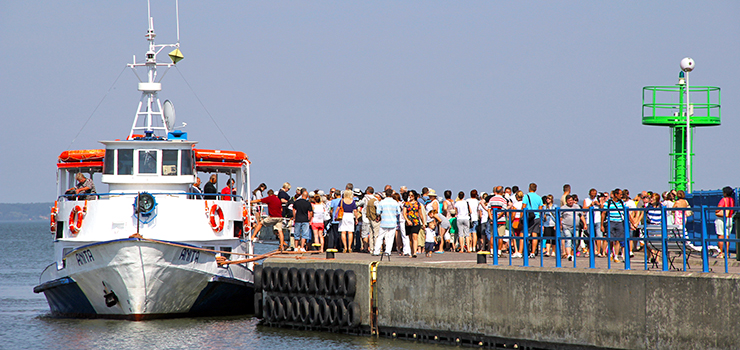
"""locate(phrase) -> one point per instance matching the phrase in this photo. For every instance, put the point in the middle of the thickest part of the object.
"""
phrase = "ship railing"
(195, 196)
(665, 238)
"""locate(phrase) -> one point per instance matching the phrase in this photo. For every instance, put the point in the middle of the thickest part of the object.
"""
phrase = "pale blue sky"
(445, 94)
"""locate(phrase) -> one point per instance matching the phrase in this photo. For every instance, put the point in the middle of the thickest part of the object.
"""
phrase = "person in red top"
(275, 216)
(723, 223)
(228, 191)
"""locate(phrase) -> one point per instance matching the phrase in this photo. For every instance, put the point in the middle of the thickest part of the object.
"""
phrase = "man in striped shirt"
(389, 211)
(498, 202)
(612, 222)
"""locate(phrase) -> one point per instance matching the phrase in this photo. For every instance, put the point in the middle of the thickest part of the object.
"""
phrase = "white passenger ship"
(147, 248)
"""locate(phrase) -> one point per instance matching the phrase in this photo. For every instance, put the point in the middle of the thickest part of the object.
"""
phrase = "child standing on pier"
(430, 239)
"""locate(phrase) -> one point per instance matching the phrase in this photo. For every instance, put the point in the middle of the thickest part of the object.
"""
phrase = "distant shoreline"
(25, 212)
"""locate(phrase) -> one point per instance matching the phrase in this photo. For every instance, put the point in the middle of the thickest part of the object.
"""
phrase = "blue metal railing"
(677, 235)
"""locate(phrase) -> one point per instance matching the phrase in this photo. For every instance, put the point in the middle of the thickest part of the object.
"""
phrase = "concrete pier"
(538, 307)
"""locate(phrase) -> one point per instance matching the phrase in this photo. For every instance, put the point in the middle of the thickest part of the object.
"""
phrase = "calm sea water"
(25, 323)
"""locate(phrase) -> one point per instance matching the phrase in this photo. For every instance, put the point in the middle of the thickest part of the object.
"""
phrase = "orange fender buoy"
(53, 218)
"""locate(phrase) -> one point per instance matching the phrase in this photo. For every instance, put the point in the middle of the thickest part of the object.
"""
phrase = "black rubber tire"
(283, 279)
(292, 280)
(328, 282)
(341, 319)
(314, 313)
(274, 281)
(257, 278)
(280, 310)
(266, 278)
(350, 283)
(310, 281)
(301, 287)
(332, 311)
(287, 308)
(320, 281)
(338, 282)
(324, 313)
(303, 310)
(354, 315)
(269, 309)
(295, 314)
(258, 305)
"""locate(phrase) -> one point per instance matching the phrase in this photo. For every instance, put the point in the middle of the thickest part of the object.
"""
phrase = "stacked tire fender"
(306, 297)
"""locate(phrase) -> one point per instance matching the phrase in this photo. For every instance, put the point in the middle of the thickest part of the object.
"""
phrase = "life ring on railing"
(75, 218)
(217, 218)
(53, 218)
(246, 218)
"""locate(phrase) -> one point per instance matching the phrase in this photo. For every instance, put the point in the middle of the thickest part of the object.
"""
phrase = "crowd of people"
(413, 223)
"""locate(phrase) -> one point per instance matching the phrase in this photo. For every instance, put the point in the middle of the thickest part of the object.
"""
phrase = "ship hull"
(140, 279)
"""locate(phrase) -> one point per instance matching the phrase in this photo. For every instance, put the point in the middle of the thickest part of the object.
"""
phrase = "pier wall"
(546, 306)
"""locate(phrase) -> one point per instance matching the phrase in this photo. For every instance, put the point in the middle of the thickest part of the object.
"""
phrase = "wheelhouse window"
(125, 162)
(186, 162)
(169, 162)
(147, 162)
(109, 162)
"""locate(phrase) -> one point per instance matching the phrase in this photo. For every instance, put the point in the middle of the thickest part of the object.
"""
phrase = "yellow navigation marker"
(176, 56)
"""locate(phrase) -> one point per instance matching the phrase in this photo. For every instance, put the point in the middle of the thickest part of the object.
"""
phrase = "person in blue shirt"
(533, 201)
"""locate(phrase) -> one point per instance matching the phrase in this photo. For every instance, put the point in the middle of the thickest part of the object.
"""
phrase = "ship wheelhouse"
(164, 171)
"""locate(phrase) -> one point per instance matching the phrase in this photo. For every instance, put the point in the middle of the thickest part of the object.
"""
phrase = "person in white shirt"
(463, 222)
(473, 203)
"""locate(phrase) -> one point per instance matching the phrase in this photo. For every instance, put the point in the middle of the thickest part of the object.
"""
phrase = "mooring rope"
(220, 259)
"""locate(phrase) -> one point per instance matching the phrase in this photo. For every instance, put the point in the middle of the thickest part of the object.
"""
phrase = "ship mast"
(149, 118)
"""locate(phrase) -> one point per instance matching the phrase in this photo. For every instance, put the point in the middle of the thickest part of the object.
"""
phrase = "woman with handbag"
(347, 216)
(414, 219)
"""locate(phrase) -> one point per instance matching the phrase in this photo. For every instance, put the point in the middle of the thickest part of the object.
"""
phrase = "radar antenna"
(150, 118)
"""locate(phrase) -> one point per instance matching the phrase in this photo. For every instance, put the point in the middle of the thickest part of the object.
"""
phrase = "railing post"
(525, 236)
(684, 237)
(591, 233)
(704, 244)
(644, 236)
(664, 241)
(607, 226)
(627, 232)
(558, 258)
(494, 235)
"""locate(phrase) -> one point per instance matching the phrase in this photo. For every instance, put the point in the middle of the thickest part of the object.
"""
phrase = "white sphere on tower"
(687, 64)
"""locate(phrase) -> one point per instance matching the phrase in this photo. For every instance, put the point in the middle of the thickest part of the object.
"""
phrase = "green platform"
(665, 106)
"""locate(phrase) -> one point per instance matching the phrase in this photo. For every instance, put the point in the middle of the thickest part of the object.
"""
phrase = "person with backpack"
(370, 219)
(534, 202)
(612, 222)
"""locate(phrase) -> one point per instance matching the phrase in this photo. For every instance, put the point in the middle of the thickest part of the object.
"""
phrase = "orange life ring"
(75, 219)
(53, 218)
(217, 218)
(246, 218)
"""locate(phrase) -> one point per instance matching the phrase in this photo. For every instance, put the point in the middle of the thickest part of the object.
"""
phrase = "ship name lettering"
(84, 257)
(189, 255)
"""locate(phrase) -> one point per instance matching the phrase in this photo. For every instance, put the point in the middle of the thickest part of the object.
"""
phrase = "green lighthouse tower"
(681, 108)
